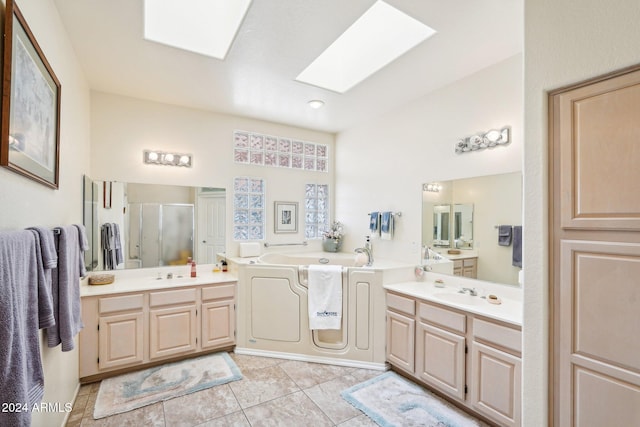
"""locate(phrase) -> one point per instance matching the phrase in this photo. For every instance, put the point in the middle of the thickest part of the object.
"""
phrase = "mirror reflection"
(149, 225)
(460, 224)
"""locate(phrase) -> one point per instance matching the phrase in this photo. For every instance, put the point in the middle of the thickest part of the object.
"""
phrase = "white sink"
(459, 298)
(442, 265)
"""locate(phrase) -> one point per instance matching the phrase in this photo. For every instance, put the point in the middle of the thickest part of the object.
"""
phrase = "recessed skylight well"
(382, 34)
(207, 27)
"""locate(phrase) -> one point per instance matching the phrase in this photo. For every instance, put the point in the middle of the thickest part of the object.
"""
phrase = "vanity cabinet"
(401, 327)
(440, 349)
(473, 360)
(466, 267)
(496, 368)
(134, 329)
(172, 323)
(218, 316)
(121, 331)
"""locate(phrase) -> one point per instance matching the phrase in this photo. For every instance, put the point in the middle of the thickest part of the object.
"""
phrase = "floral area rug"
(391, 400)
(141, 388)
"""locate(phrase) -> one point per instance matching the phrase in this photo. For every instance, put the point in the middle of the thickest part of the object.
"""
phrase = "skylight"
(207, 27)
(379, 36)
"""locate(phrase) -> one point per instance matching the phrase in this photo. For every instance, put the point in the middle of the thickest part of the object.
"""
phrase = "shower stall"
(160, 234)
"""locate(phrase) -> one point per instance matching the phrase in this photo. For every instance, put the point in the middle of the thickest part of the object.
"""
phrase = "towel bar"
(266, 245)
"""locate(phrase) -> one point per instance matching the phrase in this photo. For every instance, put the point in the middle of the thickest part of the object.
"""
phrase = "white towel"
(325, 296)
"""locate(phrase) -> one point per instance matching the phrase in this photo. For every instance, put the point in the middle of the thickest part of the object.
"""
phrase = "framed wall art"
(30, 134)
(286, 218)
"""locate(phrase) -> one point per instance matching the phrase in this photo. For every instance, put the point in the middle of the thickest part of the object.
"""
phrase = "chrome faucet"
(472, 291)
(367, 249)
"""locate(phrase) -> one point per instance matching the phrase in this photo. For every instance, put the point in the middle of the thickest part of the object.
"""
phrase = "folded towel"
(504, 235)
(66, 290)
(325, 297)
(21, 314)
(374, 223)
(386, 226)
(517, 246)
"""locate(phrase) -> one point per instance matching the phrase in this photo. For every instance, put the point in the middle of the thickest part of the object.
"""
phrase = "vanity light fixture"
(153, 157)
(484, 140)
(432, 187)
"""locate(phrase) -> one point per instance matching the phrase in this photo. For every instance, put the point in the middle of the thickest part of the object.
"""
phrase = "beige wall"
(26, 203)
(565, 42)
(121, 128)
(382, 164)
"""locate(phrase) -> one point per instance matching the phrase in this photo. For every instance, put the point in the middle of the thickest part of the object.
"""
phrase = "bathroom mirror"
(441, 222)
(464, 216)
(158, 225)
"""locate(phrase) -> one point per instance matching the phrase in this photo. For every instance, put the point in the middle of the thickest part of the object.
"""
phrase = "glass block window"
(248, 208)
(274, 151)
(316, 210)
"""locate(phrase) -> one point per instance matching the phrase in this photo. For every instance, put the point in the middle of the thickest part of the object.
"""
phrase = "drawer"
(443, 317)
(503, 336)
(400, 303)
(225, 291)
(469, 262)
(121, 303)
(177, 296)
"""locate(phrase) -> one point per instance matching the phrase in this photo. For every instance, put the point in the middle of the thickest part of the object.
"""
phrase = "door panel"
(595, 251)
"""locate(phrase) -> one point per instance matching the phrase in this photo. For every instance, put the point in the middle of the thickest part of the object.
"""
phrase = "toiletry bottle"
(193, 269)
(224, 265)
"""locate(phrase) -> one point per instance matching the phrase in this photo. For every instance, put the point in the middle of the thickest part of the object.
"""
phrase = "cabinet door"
(120, 340)
(400, 341)
(172, 331)
(218, 324)
(440, 359)
(495, 384)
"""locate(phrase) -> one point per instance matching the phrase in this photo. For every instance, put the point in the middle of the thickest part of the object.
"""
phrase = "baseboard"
(313, 359)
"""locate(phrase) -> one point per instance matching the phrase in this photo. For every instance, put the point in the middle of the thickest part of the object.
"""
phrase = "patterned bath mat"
(137, 389)
(391, 400)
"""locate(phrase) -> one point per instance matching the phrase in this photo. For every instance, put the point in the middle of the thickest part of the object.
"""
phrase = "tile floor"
(273, 392)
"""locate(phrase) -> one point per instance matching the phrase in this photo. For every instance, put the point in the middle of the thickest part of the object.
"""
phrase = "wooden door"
(440, 359)
(121, 340)
(401, 341)
(172, 331)
(218, 323)
(496, 384)
(211, 227)
(595, 252)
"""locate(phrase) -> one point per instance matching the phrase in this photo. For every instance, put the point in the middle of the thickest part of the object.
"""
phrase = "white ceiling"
(276, 41)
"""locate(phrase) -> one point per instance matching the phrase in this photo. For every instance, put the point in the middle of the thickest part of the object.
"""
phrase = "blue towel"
(517, 246)
(386, 226)
(504, 235)
(374, 223)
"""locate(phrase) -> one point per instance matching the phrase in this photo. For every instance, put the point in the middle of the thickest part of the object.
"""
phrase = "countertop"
(145, 281)
(509, 311)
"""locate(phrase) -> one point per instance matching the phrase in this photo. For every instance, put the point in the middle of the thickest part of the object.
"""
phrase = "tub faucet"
(367, 249)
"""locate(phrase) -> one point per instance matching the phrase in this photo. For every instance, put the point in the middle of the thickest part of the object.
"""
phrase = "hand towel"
(47, 260)
(325, 296)
(66, 290)
(21, 282)
(517, 246)
(374, 223)
(386, 226)
(83, 244)
(504, 235)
